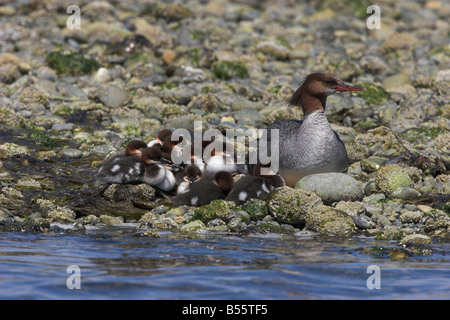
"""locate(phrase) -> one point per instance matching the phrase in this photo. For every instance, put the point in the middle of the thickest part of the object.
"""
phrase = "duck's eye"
(328, 81)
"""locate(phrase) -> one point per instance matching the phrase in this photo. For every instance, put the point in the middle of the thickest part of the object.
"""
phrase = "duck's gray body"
(307, 147)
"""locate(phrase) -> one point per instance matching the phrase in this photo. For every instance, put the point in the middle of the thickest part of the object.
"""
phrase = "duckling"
(256, 185)
(162, 134)
(223, 161)
(191, 174)
(157, 174)
(204, 191)
(123, 168)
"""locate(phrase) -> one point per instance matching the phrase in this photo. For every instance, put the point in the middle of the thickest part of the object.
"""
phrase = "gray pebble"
(72, 153)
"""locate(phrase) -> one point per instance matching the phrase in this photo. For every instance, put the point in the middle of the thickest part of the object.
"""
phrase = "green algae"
(226, 70)
(72, 63)
(373, 95)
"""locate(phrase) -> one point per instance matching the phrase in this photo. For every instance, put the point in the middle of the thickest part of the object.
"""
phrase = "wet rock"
(415, 240)
(189, 74)
(112, 96)
(353, 209)
(110, 220)
(435, 220)
(58, 127)
(373, 163)
(382, 137)
(216, 209)
(9, 73)
(13, 149)
(390, 178)
(396, 41)
(206, 102)
(140, 195)
(147, 234)
(72, 153)
(193, 226)
(290, 205)
(329, 221)
(273, 49)
(332, 187)
(179, 95)
(411, 216)
(62, 214)
(442, 81)
(396, 81)
(405, 193)
(374, 64)
(411, 113)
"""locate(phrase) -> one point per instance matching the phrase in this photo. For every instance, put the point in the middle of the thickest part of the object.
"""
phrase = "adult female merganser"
(191, 174)
(204, 191)
(311, 146)
(256, 185)
(162, 134)
(123, 168)
(157, 174)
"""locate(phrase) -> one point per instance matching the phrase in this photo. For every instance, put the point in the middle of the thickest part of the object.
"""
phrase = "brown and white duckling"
(257, 185)
(191, 174)
(223, 161)
(162, 134)
(203, 192)
(156, 173)
(123, 168)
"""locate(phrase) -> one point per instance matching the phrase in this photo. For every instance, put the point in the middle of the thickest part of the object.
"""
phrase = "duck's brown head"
(225, 181)
(314, 90)
(151, 155)
(135, 147)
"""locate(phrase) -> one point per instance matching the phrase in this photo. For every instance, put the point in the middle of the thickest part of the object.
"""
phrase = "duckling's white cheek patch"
(137, 167)
(265, 189)
(242, 196)
(115, 168)
(194, 201)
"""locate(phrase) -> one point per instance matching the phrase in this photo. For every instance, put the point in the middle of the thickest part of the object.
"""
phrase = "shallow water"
(115, 264)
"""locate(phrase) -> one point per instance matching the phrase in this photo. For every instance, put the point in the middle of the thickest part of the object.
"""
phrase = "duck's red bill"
(347, 87)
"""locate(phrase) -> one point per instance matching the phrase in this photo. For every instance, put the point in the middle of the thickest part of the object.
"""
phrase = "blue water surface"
(116, 264)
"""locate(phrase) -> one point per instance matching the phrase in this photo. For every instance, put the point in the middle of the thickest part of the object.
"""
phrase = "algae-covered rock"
(390, 178)
(442, 81)
(12, 149)
(110, 220)
(329, 221)
(373, 94)
(435, 220)
(72, 63)
(256, 208)
(290, 205)
(62, 214)
(380, 137)
(141, 195)
(216, 209)
(332, 187)
(415, 240)
(147, 234)
(193, 226)
(229, 69)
